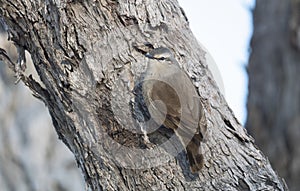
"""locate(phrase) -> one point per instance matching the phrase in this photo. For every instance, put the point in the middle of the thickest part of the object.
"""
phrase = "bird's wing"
(191, 106)
(167, 94)
(163, 104)
(178, 101)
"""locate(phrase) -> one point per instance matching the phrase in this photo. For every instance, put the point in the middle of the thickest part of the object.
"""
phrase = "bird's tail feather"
(194, 153)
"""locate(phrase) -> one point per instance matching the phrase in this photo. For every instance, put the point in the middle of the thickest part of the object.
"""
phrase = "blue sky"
(225, 29)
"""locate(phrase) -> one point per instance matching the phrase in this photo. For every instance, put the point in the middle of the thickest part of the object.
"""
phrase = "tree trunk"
(274, 91)
(85, 54)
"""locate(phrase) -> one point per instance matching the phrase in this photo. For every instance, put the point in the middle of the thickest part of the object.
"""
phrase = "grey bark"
(274, 91)
(84, 54)
(31, 156)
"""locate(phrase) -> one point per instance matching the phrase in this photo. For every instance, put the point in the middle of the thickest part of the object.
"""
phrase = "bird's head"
(160, 53)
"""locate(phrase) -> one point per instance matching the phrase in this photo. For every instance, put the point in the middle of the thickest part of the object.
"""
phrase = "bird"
(172, 101)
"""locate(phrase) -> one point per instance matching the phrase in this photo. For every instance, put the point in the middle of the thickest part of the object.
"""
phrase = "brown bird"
(173, 101)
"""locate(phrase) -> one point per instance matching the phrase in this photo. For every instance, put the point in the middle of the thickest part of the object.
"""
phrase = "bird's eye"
(162, 58)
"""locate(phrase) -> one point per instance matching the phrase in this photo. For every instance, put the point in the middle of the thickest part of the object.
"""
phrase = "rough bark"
(84, 54)
(274, 91)
(31, 156)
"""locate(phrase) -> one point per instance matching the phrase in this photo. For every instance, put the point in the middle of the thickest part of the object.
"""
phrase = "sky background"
(225, 29)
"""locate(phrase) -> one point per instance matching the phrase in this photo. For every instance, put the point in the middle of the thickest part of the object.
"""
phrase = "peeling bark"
(84, 54)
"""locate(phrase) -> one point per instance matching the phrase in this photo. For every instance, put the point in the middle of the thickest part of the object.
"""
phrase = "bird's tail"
(194, 153)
